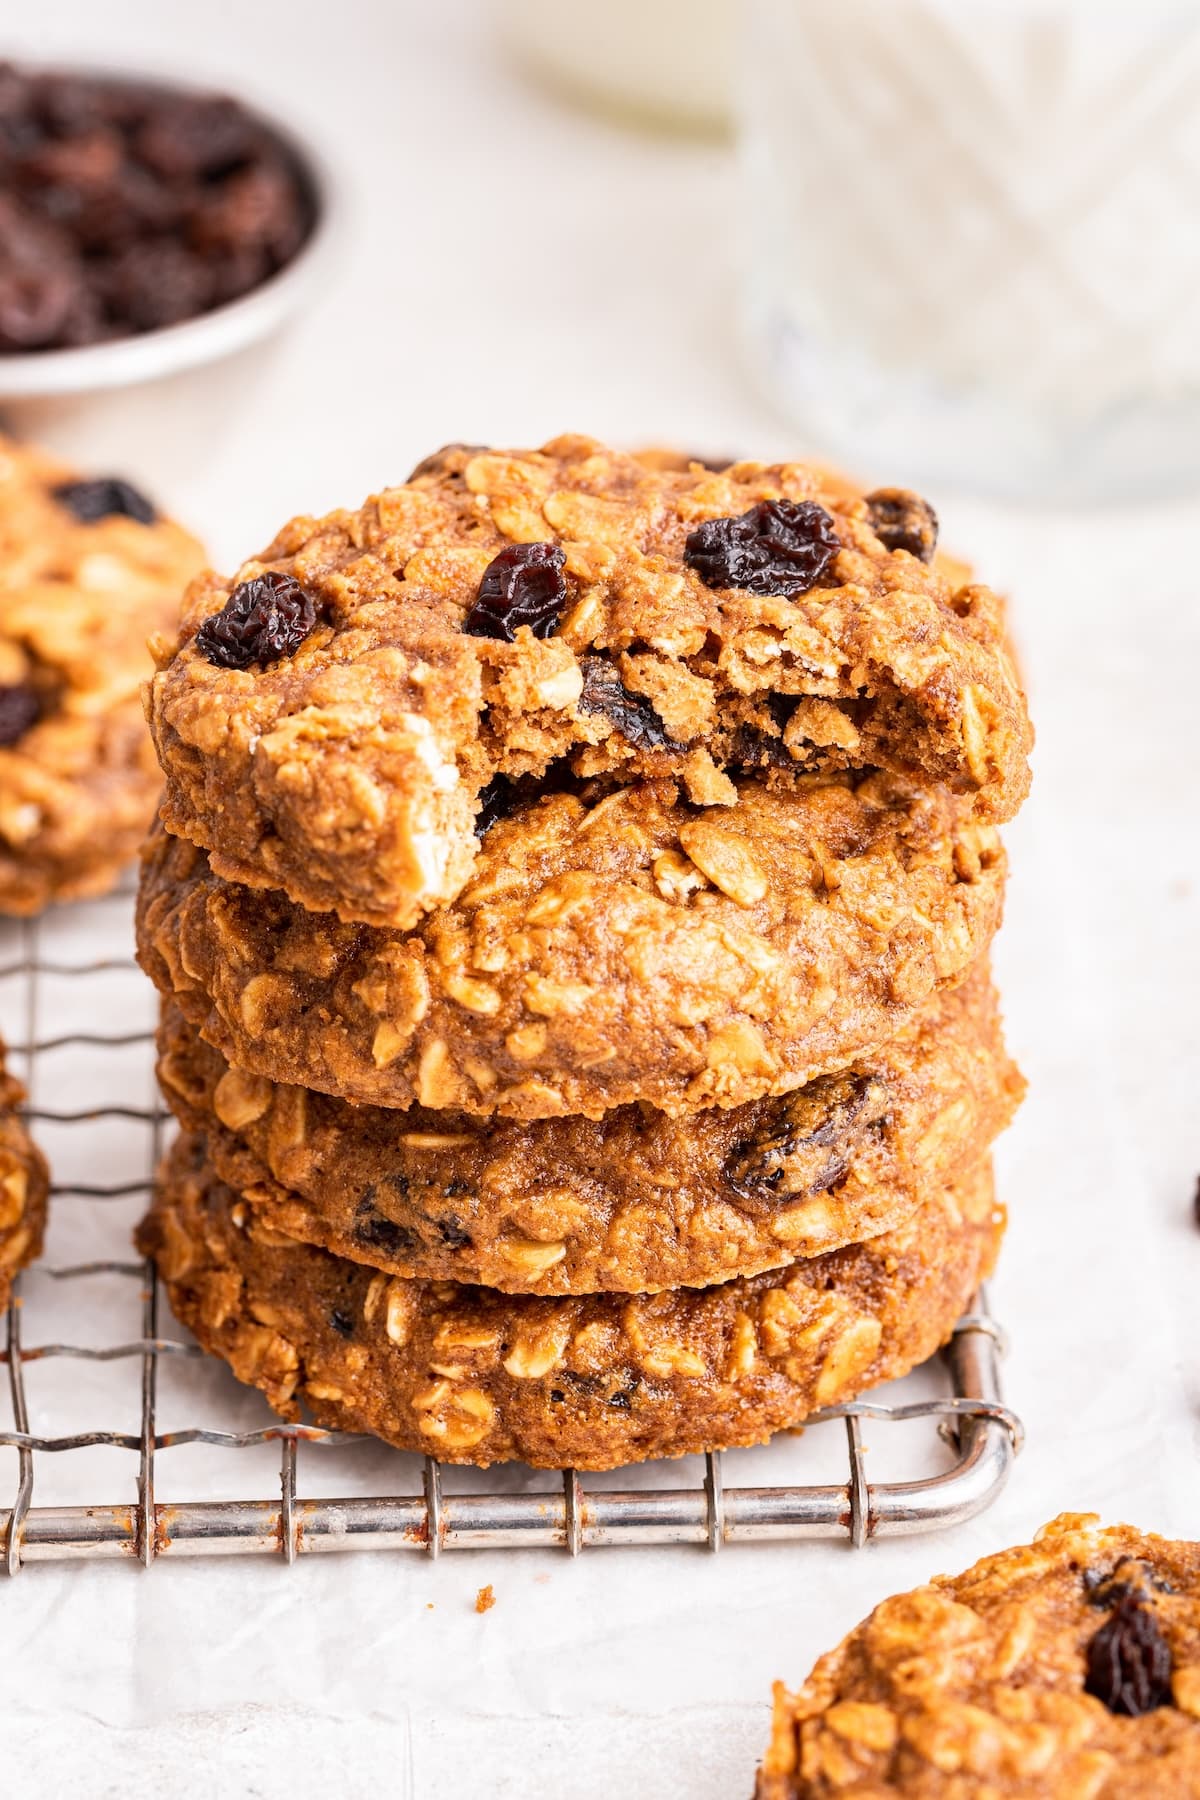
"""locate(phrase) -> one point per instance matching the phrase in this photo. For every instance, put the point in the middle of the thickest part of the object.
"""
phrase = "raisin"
(523, 585)
(631, 714)
(342, 1322)
(155, 282)
(450, 1229)
(124, 207)
(372, 1229)
(264, 619)
(20, 709)
(1129, 1661)
(751, 750)
(496, 801)
(778, 547)
(104, 497)
(36, 302)
(197, 138)
(449, 461)
(903, 521)
(809, 1138)
(1129, 1577)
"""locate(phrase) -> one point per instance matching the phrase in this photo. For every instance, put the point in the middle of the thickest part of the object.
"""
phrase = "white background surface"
(514, 268)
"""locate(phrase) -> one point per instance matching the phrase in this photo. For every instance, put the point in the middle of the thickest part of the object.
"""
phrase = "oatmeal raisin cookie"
(590, 1382)
(87, 571)
(24, 1187)
(1068, 1669)
(636, 1202)
(638, 950)
(334, 720)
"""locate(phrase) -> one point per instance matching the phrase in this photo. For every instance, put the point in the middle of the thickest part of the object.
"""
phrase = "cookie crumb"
(485, 1599)
(1196, 1202)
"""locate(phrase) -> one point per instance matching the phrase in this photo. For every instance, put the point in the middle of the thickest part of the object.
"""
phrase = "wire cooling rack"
(88, 1362)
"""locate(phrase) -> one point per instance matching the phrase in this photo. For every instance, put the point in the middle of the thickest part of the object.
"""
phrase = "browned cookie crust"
(593, 1381)
(80, 590)
(332, 732)
(1068, 1669)
(24, 1187)
(634, 1203)
(635, 951)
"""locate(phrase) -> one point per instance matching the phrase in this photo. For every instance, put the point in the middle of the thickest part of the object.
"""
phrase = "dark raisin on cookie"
(342, 1322)
(496, 801)
(1128, 1578)
(378, 1233)
(1129, 1661)
(631, 714)
(443, 461)
(264, 619)
(523, 585)
(1196, 1202)
(811, 1135)
(751, 751)
(104, 497)
(451, 1231)
(20, 710)
(778, 547)
(902, 520)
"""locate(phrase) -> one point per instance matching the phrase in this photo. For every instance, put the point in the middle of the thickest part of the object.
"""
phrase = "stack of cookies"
(571, 907)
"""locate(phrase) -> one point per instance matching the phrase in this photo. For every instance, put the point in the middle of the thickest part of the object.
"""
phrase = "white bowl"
(151, 355)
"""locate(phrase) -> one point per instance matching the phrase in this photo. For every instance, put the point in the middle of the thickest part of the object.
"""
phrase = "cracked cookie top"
(1067, 1667)
(334, 721)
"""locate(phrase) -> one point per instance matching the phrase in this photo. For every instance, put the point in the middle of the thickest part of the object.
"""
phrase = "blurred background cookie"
(88, 568)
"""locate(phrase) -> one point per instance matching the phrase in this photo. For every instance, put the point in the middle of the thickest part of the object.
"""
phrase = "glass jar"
(973, 230)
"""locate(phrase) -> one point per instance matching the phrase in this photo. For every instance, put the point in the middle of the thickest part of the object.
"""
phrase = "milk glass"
(973, 237)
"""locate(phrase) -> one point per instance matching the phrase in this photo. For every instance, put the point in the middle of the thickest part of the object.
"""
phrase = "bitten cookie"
(87, 571)
(24, 1187)
(334, 720)
(590, 1382)
(1068, 1669)
(634, 1203)
(637, 950)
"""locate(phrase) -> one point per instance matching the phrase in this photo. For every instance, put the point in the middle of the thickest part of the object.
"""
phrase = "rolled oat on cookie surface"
(635, 1202)
(335, 720)
(636, 949)
(88, 569)
(588, 1382)
(1066, 1669)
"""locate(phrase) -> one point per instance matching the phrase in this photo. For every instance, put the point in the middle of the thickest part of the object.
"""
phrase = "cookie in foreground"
(24, 1187)
(592, 1381)
(1067, 1669)
(87, 570)
(634, 1202)
(640, 949)
(335, 720)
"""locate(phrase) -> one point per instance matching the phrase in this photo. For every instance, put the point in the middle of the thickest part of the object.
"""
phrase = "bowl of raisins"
(146, 227)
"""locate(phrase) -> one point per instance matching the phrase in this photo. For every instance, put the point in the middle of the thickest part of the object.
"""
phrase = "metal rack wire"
(983, 1434)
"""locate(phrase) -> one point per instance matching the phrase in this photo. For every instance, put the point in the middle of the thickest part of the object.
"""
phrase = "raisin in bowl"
(146, 227)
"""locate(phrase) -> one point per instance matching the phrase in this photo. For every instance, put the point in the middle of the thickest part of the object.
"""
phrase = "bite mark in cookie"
(510, 614)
